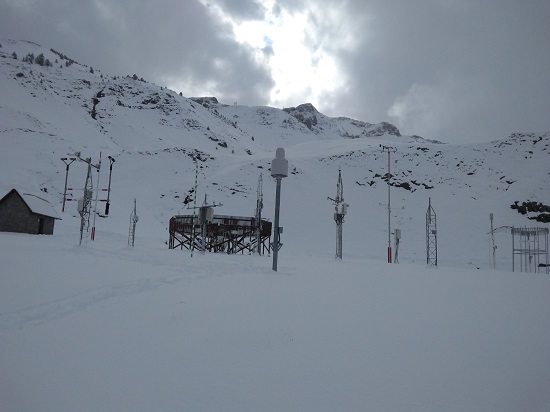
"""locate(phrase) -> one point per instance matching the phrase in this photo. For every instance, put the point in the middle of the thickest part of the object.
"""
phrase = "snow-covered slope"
(107, 327)
(155, 135)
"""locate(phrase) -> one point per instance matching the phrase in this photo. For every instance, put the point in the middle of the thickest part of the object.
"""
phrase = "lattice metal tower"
(85, 208)
(259, 207)
(431, 235)
(531, 249)
(132, 231)
(340, 210)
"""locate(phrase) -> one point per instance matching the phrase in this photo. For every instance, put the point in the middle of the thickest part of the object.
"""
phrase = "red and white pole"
(389, 211)
(389, 150)
(96, 196)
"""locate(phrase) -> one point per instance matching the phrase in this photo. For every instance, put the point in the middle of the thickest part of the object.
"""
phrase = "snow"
(114, 328)
(104, 326)
(39, 205)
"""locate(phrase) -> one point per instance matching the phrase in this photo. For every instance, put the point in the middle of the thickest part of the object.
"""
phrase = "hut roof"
(36, 204)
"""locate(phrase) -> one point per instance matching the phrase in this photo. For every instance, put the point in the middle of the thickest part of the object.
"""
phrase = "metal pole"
(340, 210)
(96, 196)
(546, 248)
(389, 150)
(389, 211)
(513, 251)
(493, 241)
(65, 191)
(203, 210)
(194, 209)
(279, 169)
(108, 205)
(259, 207)
(64, 159)
(276, 229)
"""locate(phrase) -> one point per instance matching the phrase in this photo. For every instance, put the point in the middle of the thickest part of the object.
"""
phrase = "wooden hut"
(26, 213)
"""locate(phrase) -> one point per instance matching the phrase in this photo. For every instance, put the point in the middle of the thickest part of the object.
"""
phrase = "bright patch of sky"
(289, 43)
(450, 70)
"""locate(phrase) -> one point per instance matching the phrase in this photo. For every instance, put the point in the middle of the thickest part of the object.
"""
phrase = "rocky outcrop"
(207, 102)
(382, 129)
(305, 113)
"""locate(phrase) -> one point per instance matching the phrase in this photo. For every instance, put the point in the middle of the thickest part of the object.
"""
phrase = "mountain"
(155, 135)
(106, 326)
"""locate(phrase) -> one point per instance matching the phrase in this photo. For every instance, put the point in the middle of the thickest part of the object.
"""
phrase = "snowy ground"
(108, 327)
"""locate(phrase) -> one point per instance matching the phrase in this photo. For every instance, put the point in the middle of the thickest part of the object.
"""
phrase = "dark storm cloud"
(454, 70)
(160, 40)
(242, 9)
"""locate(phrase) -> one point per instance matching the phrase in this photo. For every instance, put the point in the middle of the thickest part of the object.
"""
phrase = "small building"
(223, 234)
(26, 213)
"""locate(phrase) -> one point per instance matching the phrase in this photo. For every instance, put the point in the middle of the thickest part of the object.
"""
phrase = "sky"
(459, 71)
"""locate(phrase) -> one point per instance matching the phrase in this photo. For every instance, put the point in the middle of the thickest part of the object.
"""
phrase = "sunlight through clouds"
(289, 43)
(449, 70)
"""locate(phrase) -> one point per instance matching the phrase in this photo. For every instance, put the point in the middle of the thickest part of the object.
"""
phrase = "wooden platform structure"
(224, 234)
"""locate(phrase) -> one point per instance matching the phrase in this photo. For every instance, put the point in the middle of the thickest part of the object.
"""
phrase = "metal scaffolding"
(222, 234)
(431, 235)
(531, 249)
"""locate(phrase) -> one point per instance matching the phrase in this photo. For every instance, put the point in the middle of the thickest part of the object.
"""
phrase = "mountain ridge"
(158, 137)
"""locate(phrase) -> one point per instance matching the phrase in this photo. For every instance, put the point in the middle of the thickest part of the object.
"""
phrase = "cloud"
(453, 70)
(242, 9)
(459, 71)
(442, 108)
(163, 41)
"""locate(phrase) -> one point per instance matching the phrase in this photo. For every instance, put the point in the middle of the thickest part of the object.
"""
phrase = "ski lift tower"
(340, 210)
(279, 169)
(431, 235)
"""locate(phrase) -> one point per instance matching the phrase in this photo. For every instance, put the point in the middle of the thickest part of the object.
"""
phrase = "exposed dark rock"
(404, 185)
(305, 113)
(206, 101)
(533, 207)
(95, 101)
(382, 129)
